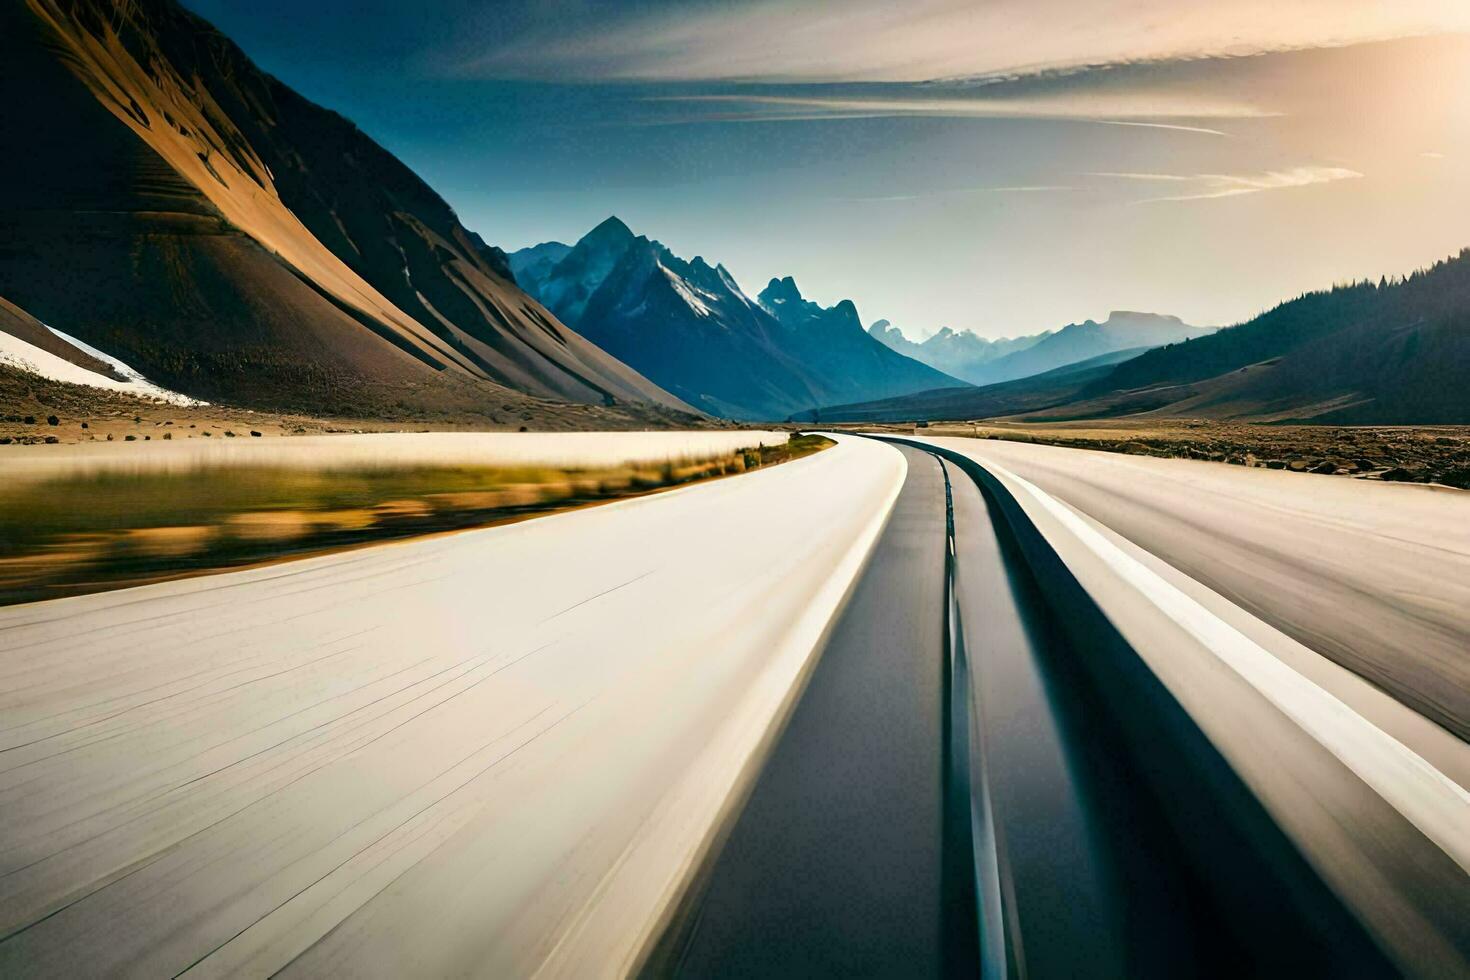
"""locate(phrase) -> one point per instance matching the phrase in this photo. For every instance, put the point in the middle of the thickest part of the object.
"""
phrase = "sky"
(1004, 166)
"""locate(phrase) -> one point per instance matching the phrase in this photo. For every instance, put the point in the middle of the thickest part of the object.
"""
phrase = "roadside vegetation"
(1398, 454)
(101, 530)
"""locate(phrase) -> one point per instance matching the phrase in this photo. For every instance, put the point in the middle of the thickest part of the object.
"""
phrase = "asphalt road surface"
(836, 866)
(494, 753)
(1282, 778)
(841, 863)
(1007, 712)
(1374, 576)
(1111, 833)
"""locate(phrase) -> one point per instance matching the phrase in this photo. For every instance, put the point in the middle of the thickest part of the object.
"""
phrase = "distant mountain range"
(689, 327)
(1038, 392)
(983, 362)
(170, 213)
(1370, 353)
(1385, 353)
(165, 201)
(963, 354)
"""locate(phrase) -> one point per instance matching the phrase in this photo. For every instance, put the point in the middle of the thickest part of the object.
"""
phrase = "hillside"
(985, 362)
(166, 201)
(689, 327)
(19, 325)
(1076, 342)
(1386, 353)
(1038, 392)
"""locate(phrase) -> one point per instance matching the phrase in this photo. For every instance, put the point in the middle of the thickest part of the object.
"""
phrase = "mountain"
(1036, 393)
(534, 263)
(36, 356)
(831, 341)
(1384, 353)
(689, 327)
(18, 324)
(963, 355)
(568, 286)
(981, 361)
(1122, 330)
(164, 200)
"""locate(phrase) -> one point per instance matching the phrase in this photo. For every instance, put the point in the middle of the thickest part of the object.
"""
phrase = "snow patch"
(687, 293)
(29, 357)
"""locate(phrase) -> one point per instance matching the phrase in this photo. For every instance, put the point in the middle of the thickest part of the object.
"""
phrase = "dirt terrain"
(28, 404)
(1412, 454)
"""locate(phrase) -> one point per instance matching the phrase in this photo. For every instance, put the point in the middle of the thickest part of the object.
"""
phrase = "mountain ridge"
(1121, 330)
(1390, 352)
(1385, 353)
(690, 327)
(240, 242)
(982, 361)
(961, 354)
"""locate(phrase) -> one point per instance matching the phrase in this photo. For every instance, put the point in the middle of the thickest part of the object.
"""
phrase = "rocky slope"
(164, 200)
(19, 324)
(689, 327)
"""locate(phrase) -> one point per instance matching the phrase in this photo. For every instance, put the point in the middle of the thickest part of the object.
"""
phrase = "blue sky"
(1002, 166)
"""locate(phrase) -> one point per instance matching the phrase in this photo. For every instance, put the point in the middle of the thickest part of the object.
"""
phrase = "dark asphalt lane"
(1074, 876)
(1373, 576)
(997, 787)
(1048, 890)
(836, 866)
(1112, 838)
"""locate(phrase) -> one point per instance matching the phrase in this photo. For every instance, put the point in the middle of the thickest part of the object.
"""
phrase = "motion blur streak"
(1344, 772)
(495, 752)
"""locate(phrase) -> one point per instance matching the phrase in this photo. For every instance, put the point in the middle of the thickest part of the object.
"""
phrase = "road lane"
(835, 866)
(494, 752)
(838, 864)
(515, 751)
(1088, 853)
(1375, 577)
(1051, 869)
(1382, 827)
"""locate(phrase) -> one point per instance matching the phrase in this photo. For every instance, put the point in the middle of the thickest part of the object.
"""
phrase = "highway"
(497, 752)
(859, 770)
(1373, 576)
(1321, 795)
(926, 708)
(1136, 809)
(1007, 836)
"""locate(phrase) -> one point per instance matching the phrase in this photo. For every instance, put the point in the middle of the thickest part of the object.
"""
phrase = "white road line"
(1430, 800)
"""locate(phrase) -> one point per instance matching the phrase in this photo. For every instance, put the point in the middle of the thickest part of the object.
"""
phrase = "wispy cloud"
(1205, 130)
(1204, 187)
(877, 40)
(1115, 108)
(1139, 176)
